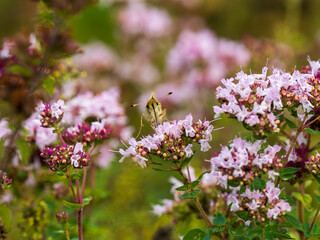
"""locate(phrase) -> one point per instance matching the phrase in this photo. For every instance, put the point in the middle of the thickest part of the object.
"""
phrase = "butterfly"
(154, 113)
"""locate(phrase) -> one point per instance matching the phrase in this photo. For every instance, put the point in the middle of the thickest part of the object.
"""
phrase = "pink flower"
(4, 128)
(138, 19)
(188, 150)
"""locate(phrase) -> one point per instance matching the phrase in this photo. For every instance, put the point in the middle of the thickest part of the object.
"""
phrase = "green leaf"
(60, 173)
(195, 183)
(287, 177)
(186, 161)
(191, 194)
(49, 84)
(281, 235)
(309, 130)
(307, 232)
(75, 176)
(318, 198)
(314, 231)
(194, 234)
(254, 231)
(290, 123)
(72, 205)
(294, 222)
(259, 184)
(289, 170)
(242, 190)
(294, 112)
(264, 145)
(57, 130)
(232, 183)
(182, 188)
(208, 236)
(243, 215)
(306, 199)
(86, 201)
(162, 169)
(218, 229)
(247, 126)
(316, 177)
(258, 137)
(219, 220)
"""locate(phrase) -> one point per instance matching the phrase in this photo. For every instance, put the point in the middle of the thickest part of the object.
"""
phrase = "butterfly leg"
(141, 125)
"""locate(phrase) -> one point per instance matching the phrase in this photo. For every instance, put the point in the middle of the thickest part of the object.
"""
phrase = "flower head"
(171, 142)
(59, 157)
(51, 115)
(87, 134)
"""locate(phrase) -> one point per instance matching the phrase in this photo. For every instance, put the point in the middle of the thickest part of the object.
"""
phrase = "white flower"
(74, 160)
(78, 147)
(188, 150)
(56, 108)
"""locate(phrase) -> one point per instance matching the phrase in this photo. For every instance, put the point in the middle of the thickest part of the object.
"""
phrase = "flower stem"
(300, 129)
(317, 118)
(315, 218)
(203, 213)
(83, 183)
(66, 232)
(301, 210)
(80, 224)
(71, 187)
(285, 160)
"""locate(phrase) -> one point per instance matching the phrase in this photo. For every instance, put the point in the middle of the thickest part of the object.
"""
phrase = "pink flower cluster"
(139, 19)
(205, 57)
(259, 204)
(241, 162)
(258, 100)
(104, 105)
(5, 180)
(172, 141)
(35, 132)
(97, 57)
(87, 134)
(238, 166)
(313, 164)
(59, 157)
(51, 115)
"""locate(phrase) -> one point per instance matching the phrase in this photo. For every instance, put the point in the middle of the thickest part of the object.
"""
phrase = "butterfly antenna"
(136, 104)
(168, 94)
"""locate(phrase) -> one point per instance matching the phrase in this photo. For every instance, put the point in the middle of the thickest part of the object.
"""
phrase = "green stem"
(79, 211)
(300, 129)
(66, 232)
(312, 121)
(168, 166)
(301, 210)
(71, 187)
(83, 183)
(285, 160)
(315, 218)
(203, 213)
